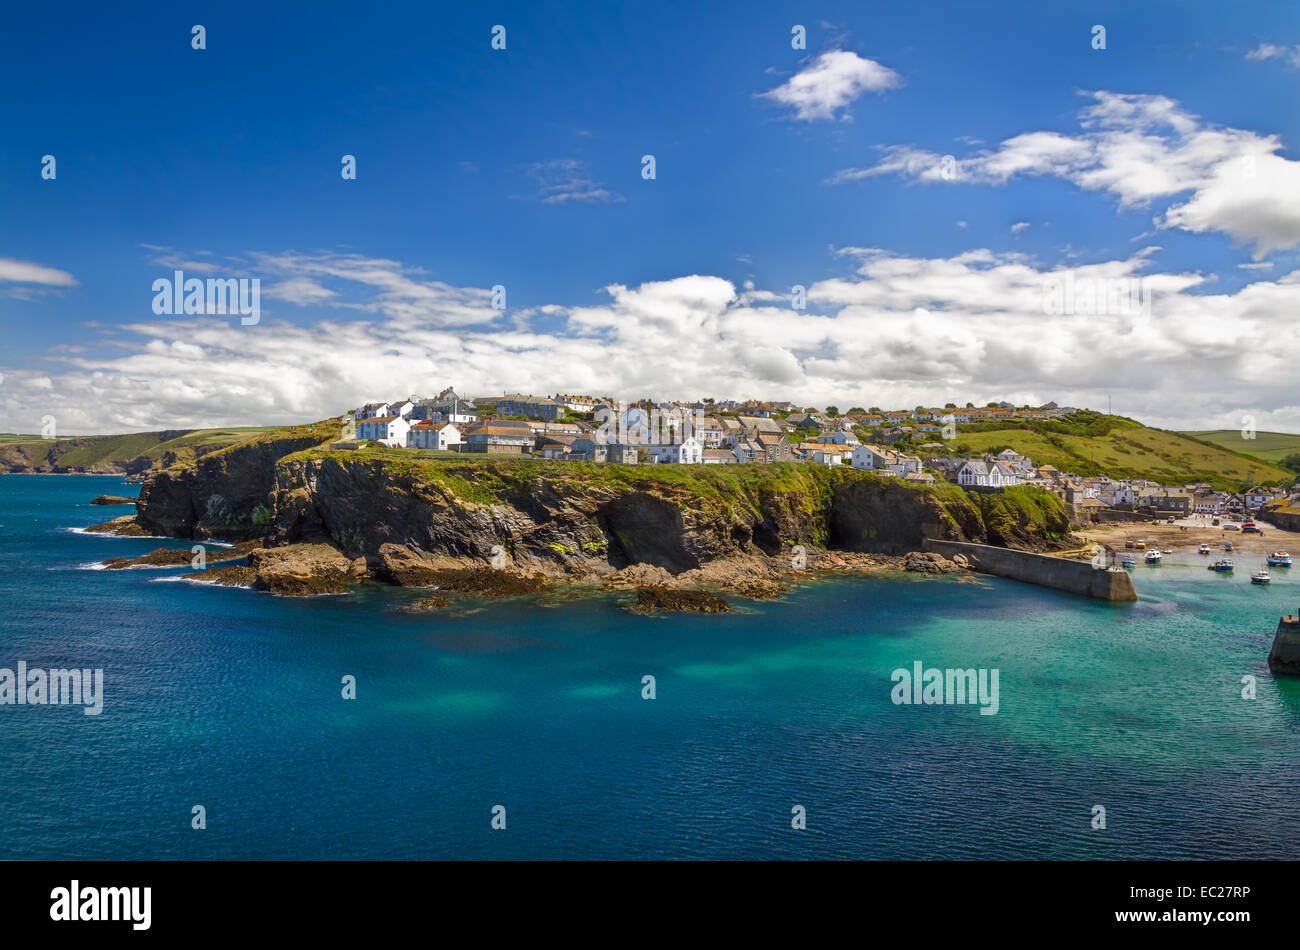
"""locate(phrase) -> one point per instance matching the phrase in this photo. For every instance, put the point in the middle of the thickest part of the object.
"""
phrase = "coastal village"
(915, 445)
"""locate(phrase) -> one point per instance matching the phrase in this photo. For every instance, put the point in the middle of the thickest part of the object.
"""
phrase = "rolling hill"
(1267, 446)
(1089, 443)
(128, 454)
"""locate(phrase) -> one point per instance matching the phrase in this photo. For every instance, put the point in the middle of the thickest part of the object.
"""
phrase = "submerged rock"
(435, 602)
(112, 500)
(650, 599)
(488, 582)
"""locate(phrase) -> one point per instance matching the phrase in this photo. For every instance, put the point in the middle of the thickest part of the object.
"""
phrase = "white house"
(630, 426)
(401, 408)
(981, 474)
(390, 430)
(827, 457)
(687, 452)
(437, 436)
(886, 461)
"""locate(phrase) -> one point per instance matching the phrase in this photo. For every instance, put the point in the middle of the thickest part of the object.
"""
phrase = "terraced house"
(499, 437)
(542, 408)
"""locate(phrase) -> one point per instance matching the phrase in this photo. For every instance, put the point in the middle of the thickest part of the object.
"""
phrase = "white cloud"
(1139, 148)
(302, 291)
(1019, 226)
(565, 180)
(1288, 54)
(895, 330)
(833, 82)
(26, 272)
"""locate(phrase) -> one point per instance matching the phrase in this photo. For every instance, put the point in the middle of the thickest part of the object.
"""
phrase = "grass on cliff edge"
(488, 480)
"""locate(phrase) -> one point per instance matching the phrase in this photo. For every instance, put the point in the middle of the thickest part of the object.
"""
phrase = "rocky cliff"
(398, 511)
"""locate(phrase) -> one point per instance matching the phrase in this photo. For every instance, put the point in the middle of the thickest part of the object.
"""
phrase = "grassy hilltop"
(112, 454)
(1091, 443)
(1266, 446)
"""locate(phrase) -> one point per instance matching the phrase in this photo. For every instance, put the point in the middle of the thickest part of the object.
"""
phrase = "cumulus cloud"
(831, 84)
(891, 330)
(1140, 149)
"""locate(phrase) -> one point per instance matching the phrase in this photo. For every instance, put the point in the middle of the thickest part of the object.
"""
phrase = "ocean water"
(231, 700)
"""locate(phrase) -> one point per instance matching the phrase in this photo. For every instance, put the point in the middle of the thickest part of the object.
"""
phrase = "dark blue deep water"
(232, 700)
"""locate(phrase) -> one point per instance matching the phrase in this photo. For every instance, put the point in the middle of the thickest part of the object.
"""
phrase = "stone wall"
(1074, 577)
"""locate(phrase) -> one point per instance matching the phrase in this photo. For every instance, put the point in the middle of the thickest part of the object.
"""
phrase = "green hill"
(1266, 446)
(131, 453)
(1092, 443)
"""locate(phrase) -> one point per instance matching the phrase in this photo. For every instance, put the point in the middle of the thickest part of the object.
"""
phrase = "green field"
(109, 453)
(1130, 450)
(1268, 446)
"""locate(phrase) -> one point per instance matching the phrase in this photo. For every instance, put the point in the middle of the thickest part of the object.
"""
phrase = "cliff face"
(394, 509)
(224, 495)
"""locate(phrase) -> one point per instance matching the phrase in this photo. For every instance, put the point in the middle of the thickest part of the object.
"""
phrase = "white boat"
(1203, 549)
(1153, 557)
(1260, 577)
(1279, 559)
(1169, 550)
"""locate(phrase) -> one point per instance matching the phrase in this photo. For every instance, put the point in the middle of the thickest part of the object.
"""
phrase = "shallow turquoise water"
(231, 699)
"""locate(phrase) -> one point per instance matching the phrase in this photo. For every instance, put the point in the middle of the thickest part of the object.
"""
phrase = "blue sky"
(522, 167)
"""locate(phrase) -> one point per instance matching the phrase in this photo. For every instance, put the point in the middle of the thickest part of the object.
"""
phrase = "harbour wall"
(1074, 577)
(1284, 658)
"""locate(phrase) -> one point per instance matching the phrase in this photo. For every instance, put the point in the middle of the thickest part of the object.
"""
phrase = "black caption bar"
(170, 900)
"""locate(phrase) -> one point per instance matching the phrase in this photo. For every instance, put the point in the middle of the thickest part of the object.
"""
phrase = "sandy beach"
(1189, 533)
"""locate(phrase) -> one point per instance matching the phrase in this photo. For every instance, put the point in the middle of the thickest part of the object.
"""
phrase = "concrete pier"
(1074, 577)
(1284, 658)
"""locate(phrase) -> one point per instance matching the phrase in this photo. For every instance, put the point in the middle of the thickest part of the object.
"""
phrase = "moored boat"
(1279, 559)
(1227, 545)
(1128, 561)
(1222, 566)
(1203, 549)
(1260, 577)
(1153, 557)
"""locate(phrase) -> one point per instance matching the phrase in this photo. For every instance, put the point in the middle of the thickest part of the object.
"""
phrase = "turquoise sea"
(231, 700)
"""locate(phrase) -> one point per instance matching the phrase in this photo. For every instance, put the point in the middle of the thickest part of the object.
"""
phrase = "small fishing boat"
(1222, 566)
(1279, 559)
(1203, 549)
(1153, 557)
(1169, 550)
(1227, 545)
(1128, 560)
(1259, 577)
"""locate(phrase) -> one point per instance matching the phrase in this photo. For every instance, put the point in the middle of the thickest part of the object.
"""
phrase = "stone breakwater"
(1284, 658)
(1073, 577)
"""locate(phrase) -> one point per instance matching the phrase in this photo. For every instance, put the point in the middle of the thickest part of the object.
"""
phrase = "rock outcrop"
(501, 526)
